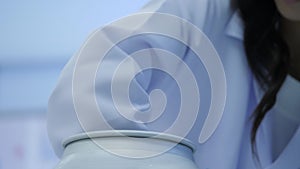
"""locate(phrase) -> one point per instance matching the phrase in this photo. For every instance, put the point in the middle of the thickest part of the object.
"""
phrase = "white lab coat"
(229, 147)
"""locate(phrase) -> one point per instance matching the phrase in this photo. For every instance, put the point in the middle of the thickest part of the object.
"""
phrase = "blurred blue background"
(36, 40)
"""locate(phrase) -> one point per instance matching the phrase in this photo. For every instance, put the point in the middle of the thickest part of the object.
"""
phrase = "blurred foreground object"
(127, 149)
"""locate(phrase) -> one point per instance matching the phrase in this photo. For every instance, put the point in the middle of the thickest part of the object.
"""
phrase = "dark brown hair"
(267, 54)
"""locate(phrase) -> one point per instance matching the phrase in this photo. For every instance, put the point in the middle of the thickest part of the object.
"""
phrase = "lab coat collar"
(235, 26)
(289, 158)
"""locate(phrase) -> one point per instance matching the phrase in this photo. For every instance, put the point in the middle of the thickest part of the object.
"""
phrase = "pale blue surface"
(38, 37)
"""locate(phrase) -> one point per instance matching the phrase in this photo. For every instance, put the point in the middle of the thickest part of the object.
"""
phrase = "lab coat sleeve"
(70, 105)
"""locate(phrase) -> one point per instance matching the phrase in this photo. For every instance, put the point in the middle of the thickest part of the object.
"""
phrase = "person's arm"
(89, 75)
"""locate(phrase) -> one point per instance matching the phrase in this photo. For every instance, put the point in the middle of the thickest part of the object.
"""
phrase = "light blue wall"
(36, 39)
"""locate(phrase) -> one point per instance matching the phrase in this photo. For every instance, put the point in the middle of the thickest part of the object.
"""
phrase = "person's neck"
(291, 33)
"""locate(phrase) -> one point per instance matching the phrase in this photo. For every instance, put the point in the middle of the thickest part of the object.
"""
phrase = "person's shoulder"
(196, 11)
(195, 6)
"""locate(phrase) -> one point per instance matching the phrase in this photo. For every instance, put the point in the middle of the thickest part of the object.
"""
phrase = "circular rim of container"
(129, 133)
